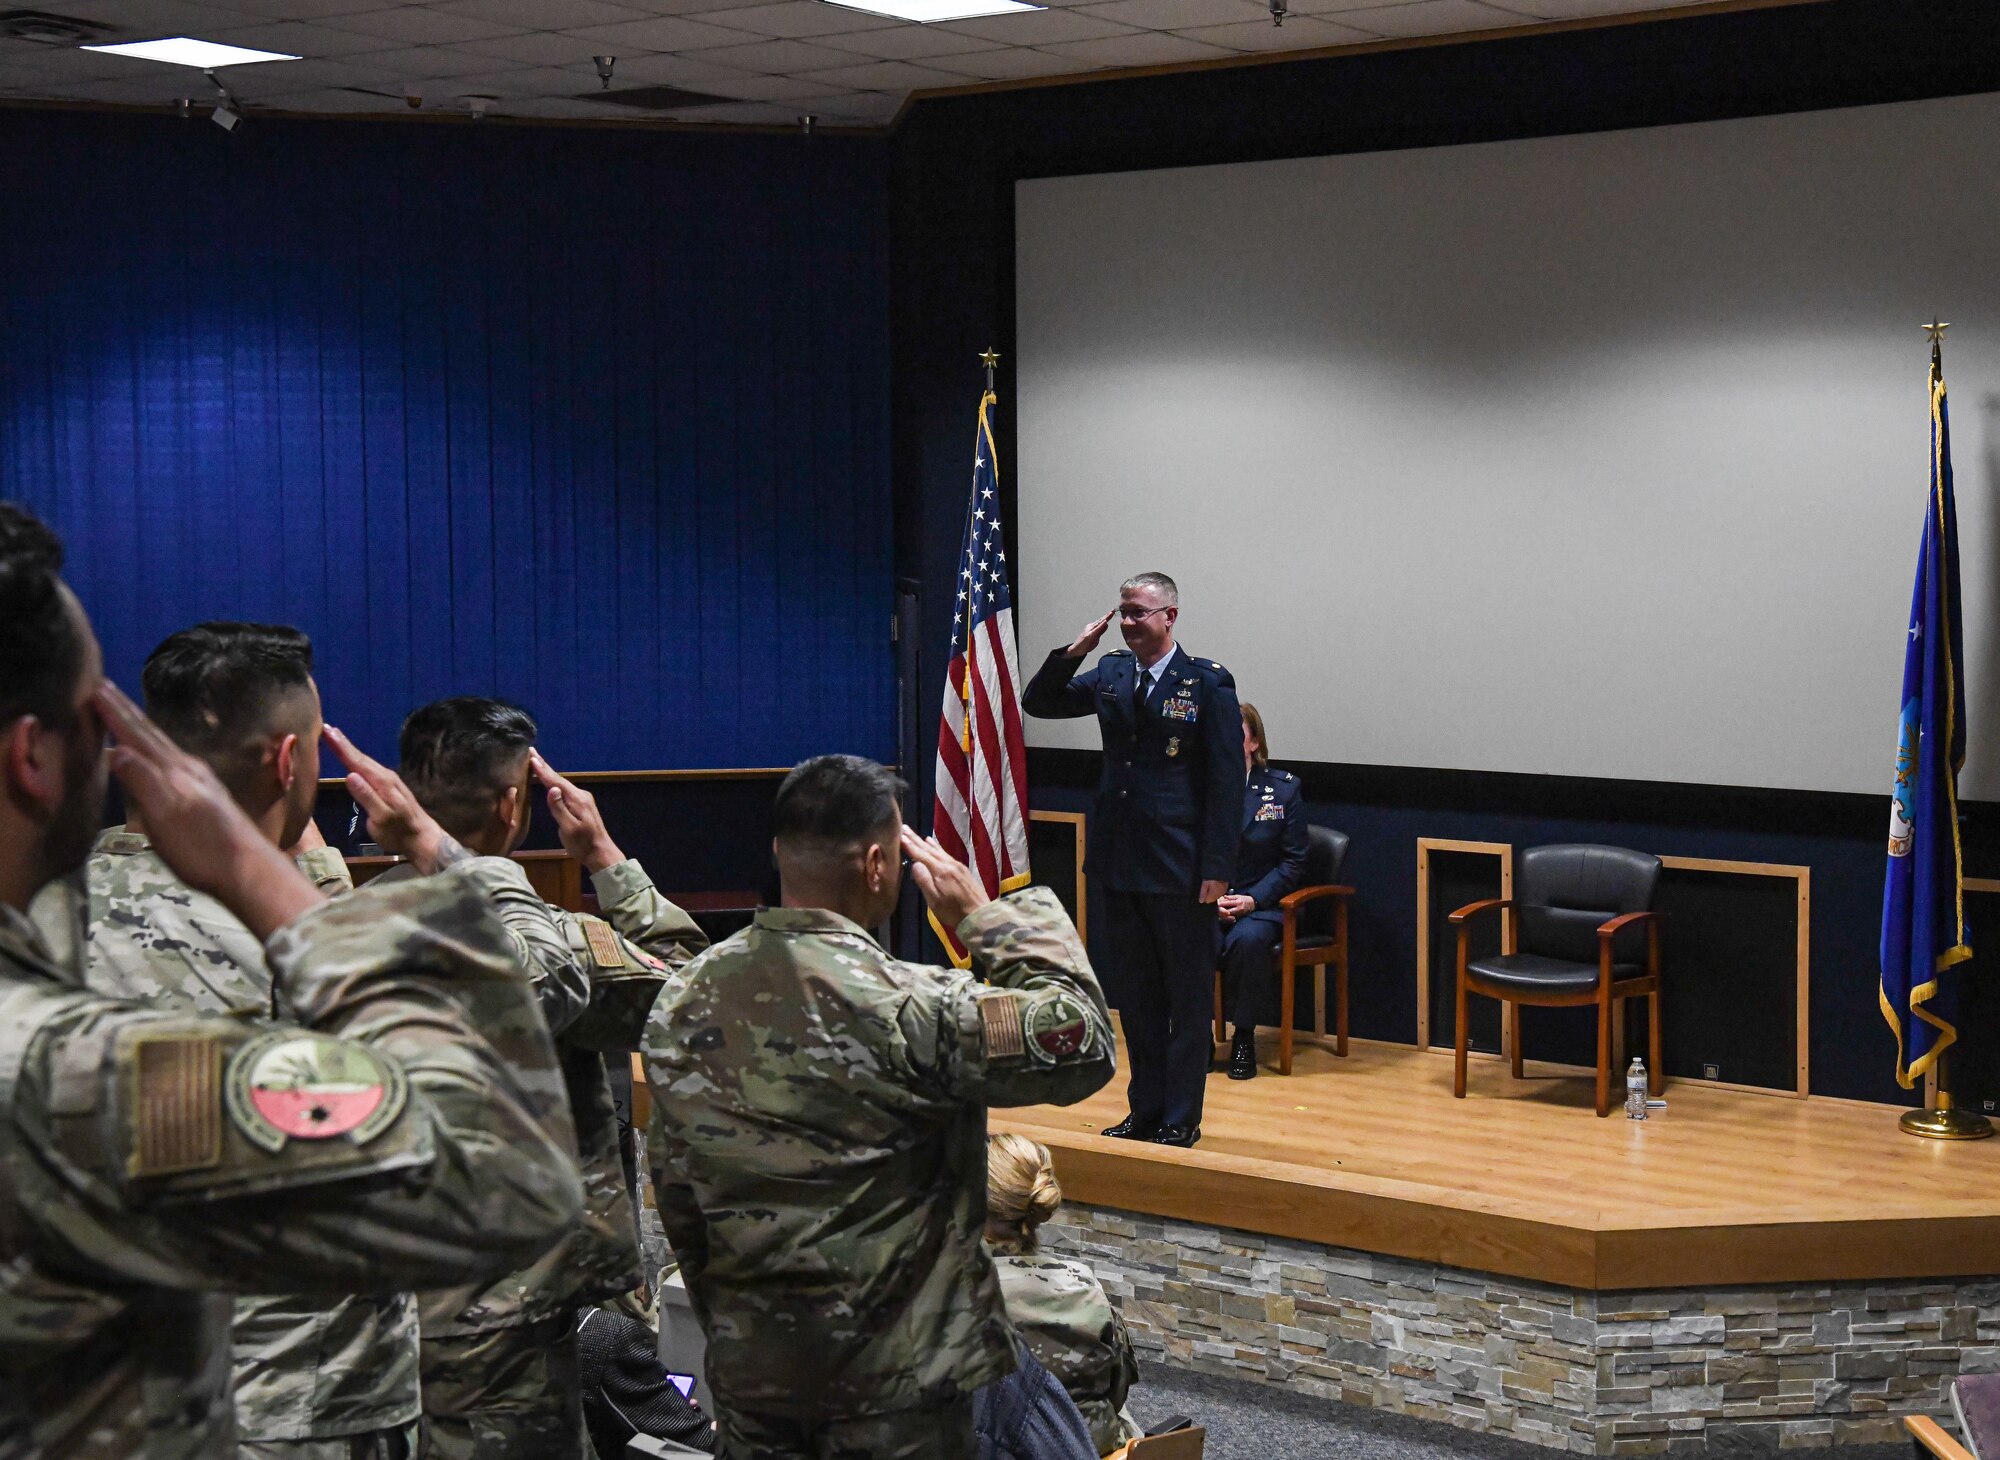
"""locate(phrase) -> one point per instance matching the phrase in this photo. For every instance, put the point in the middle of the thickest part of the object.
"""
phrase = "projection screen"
(1599, 456)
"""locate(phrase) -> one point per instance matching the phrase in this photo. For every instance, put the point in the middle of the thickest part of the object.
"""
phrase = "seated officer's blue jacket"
(1170, 804)
(1271, 858)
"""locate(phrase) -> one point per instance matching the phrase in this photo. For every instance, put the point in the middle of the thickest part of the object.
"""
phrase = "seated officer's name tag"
(1270, 811)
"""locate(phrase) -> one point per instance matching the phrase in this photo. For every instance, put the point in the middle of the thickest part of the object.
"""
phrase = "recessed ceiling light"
(182, 50)
(926, 11)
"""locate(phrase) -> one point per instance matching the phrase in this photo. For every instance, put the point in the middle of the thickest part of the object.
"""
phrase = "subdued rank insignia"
(178, 1110)
(1000, 1019)
(1057, 1028)
(1173, 745)
(605, 949)
(312, 1087)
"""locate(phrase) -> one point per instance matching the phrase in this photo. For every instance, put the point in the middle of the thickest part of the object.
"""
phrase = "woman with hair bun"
(1059, 1308)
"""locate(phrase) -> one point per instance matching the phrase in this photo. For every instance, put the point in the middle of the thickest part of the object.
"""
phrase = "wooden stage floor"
(1722, 1188)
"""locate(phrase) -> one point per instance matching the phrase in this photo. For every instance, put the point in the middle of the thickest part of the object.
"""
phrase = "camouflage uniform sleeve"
(392, 1141)
(327, 870)
(562, 987)
(631, 904)
(1037, 1032)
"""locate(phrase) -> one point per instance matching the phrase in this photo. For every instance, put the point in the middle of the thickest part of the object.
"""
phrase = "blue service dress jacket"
(1170, 802)
(1271, 857)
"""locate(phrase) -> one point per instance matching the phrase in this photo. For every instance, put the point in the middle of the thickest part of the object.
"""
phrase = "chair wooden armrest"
(1484, 905)
(1623, 920)
(1930, 1438)
(1184, 1444)
(1312, 894)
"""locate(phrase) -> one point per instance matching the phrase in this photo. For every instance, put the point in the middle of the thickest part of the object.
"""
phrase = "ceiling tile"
(150, 19)
(418, 25)
(66, 63)
(884, 76)
(907, 43)
(1177, 14)
(743, 113)
(1015, 63)
(420, 63)
(534, 50)
(869, 108)
(1148, 49)
(295, 37)
(542, 14)
(1298, 33)
(798, 18)
(710, 8)
(770, 88)
(334, 100)
(1425, 17)
(520, 82)
(660, 33)
(153, 90)
(1038, 28)
(779, 57)
(691, 71)
(1578, 9)
(297, 9)
(257, 83)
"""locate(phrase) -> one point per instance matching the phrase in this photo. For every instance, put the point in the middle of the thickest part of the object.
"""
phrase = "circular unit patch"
(1057, 1029)
(312, 1087)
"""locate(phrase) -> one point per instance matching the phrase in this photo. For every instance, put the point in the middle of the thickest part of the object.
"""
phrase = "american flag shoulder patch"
(605, 951)
(177, 1113)
(1000, 1021)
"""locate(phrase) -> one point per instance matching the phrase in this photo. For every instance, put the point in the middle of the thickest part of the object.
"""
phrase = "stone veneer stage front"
(1741, 1269)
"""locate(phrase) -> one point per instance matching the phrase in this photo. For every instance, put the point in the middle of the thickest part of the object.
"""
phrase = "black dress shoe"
(1243, 1055)
(1177, 1135)
(1131, 1128)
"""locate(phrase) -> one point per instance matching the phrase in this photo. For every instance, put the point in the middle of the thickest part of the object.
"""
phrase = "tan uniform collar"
(116, 841)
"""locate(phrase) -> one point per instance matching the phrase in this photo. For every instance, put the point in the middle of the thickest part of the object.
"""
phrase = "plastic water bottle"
(1635, 1090)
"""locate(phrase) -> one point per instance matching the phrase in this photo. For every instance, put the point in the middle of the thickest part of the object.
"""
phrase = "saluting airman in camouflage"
(819, 1130)
(314, 1381)
(499, 1361)
(155, 1157)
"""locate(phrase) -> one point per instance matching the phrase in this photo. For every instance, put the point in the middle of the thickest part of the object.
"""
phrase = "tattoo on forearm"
(449, 854)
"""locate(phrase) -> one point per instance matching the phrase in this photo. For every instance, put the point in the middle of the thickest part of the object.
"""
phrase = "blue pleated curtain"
(594, 421)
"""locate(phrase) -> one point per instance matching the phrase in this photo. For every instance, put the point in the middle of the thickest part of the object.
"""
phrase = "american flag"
(981, 816)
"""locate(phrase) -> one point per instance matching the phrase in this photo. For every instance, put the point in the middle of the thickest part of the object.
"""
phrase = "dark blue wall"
(597, 421)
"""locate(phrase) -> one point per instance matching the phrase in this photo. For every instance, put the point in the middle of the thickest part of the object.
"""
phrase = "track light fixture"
(1279, 10)
(604, 65)
(228, 111)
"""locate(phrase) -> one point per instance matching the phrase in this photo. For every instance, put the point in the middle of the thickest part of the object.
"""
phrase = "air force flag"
(1923, 902)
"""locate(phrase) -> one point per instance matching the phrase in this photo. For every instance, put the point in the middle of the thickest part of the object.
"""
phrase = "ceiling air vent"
(656, 98)
(50, 29)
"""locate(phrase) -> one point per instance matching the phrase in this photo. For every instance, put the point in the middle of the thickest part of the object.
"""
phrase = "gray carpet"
(1250, 1421)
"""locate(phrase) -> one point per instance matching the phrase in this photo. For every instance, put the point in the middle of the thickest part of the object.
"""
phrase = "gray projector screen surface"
(1594, 456)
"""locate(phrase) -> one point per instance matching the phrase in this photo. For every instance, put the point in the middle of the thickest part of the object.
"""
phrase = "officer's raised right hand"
(1087, 640)
(196, 825)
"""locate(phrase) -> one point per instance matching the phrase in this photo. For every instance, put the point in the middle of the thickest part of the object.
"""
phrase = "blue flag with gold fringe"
(1923, 898)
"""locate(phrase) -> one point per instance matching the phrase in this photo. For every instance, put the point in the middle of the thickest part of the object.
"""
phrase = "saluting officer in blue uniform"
(1270, 863)
(1162, 838)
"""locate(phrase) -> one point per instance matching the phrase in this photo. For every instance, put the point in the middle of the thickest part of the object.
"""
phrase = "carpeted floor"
(1249, 1421)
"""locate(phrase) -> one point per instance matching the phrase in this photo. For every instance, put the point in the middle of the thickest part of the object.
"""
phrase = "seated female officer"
(1270, 860)
(1059, 1308)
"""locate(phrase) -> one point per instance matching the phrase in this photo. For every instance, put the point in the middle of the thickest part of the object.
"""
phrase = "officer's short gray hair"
(1160, 583)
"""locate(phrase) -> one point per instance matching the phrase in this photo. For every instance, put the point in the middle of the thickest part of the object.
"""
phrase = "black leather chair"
(1315, 937)
(1584, 933)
